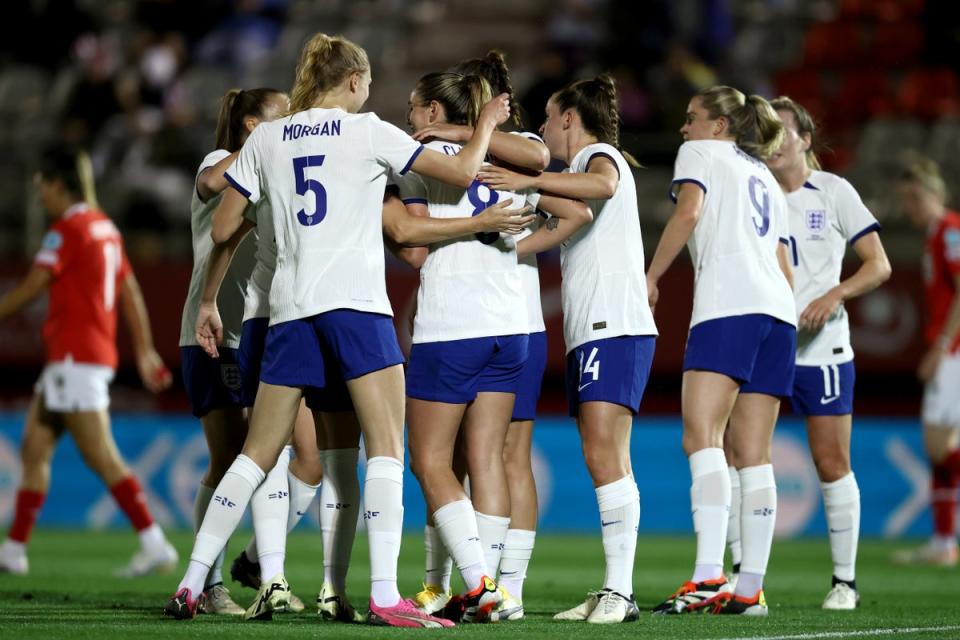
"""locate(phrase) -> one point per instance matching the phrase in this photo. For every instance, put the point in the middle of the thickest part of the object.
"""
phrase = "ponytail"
(462, 96)
(325, 62)
(596, 102)
(493, 68)
(751, 121)
(235, 106)
(85, 179)
(805, 125)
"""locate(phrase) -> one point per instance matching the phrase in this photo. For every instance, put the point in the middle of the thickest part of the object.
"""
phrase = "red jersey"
(941, 264)
(84, 252)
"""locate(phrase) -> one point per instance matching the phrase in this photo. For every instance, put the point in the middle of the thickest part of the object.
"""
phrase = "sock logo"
(497, 546)
(225, 501)
(607, 524)
(278, 495)
(766, 511)
(338, 505)
(367, 515)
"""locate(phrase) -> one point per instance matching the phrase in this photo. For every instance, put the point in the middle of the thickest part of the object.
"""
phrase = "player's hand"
(504, 179)
(500, 217)
(444, 131)
(497, 110)
(653, 294)
(930, 363)
(819, 311)
(209, 328)
(155, 375)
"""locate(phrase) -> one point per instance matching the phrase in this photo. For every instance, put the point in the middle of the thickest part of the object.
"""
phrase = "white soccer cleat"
(509, 609)
(841, 598)
(332, 606)
(930, 554)
(217, 601)
(272, 597)
(583, 610)
(162, 560)
(13, 558)
(613, 608)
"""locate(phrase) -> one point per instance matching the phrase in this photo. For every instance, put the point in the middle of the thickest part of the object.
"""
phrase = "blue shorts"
(531, 378)
(327, 349)
(210, 383)
(614, 370)
(455, 371)
(756, 350)
(824, 391)
(253, 337)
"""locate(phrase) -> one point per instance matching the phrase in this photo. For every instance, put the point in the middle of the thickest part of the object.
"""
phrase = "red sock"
(952, 462)
(25, 514)
(944, 501)
(129, 495)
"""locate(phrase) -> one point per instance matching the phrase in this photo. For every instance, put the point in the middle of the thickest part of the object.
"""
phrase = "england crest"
(816, 219)
(230, 376)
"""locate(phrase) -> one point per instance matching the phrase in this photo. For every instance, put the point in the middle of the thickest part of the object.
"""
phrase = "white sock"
(271, 505)
(757, 520)
(517, 550)
(439, 564)
(230, 500)
(710, 503)
(301, 495)
(339, 508)
(200, 503)
(733, 521)
(493, 533)
(619, 504)
(841, 501)
(457, 526)
(383, 513)
(152, 538)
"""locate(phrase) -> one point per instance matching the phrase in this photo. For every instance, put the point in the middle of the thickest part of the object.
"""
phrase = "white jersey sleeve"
(412, 188)
(853, 217)
(243, 175)
(692, 166)
(394, 148)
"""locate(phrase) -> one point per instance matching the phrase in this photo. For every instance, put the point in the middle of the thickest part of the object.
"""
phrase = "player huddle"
(295, 325)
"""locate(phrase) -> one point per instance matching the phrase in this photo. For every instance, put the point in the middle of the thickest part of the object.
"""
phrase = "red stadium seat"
(896, 44)
(929, 93)
(834, 44)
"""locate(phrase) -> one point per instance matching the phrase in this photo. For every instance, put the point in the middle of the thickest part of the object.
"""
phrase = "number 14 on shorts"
(590, 366)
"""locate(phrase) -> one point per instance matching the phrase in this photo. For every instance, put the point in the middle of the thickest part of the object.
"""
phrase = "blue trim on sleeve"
(870, 229)
(807, 185)
(409, 164)
(236, 185)
(602, 154)
(784, 241)
(681, 181)
(414, 201)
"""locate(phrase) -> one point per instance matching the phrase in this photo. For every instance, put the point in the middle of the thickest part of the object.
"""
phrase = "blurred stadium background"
(137, 82)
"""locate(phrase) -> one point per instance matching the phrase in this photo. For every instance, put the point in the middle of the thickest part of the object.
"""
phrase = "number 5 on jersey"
(592, 366)
(306, 185)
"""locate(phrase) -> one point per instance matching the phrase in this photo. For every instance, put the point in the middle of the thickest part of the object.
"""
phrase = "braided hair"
(493, 68)
(598, 107)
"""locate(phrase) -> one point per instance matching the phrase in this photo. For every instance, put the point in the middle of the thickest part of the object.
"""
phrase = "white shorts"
(941, 396)
(74, 386)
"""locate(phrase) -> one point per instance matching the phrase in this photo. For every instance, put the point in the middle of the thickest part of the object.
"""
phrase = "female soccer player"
(826, 215)
(83, 264)
(740, 353)
(923, 196)
(608, 326)
(323, 169)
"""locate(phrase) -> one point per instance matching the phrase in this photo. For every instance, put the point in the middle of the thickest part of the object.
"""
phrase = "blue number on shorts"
(305, 184)
(481, 196)
(796, 253)
(761, 221)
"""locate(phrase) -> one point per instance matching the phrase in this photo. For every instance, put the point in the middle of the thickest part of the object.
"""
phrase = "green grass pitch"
(70, 594)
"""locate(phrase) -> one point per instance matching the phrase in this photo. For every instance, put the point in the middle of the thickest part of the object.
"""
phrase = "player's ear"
(720, 126)
(436, 110)
(566, 118)
(355, 79)
(250, 123)
(807, 141)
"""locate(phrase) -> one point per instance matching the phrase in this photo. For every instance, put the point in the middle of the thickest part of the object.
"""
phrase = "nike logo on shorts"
(584, 386)
(828, 400)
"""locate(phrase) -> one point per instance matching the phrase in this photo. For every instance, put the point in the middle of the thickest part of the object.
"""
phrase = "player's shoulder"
(829, 183)
(582, 160)
(211, 159)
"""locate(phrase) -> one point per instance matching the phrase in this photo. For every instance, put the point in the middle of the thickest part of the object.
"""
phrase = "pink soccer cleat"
(404, 614)
(182, 605)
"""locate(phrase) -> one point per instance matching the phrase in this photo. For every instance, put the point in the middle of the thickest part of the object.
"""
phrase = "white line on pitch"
(851, 634)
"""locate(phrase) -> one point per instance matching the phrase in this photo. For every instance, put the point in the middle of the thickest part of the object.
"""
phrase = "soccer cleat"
(510, 608)
(272, 596)
(144, 562)
(583, 610)
(453, 610)
(404, 614)
(216, 600)
(930, 554)
(612, 608)
(692, 597)
(432, 598)
(732, 579)
(732, 604)
(296, 604)
(13, 558)
(841, 598)
(246, 572)
(480, 603)
(334, 607)
(182, 606)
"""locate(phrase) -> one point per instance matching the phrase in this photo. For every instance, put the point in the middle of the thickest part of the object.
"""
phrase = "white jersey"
(324, 173)
(826, 214)
(734, 245)
(530, 272)
(230, 297)
(470, 287)
(257, 304)
(604, 287)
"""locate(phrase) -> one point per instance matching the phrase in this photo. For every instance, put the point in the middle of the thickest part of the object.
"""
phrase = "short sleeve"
(244, 174)
(412, 188)
(53, 253)
(854, 218)
(692, 165)
(951, 249)
(125, 268)
(392, 147)
(782, 219)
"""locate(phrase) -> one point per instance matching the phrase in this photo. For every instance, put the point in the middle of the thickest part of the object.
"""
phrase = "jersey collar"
(74, 209)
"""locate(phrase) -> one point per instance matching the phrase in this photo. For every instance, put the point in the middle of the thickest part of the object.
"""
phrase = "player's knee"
(831, 468)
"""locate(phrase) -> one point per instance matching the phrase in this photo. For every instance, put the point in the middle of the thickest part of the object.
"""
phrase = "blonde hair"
(462, 96)
(324, 63)
(805, 125)
(752, 122)
(493, 68)
(926, 173)
(596, 102)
